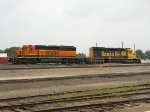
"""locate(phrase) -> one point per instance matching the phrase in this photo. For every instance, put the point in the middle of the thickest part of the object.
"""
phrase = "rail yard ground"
(117, 88)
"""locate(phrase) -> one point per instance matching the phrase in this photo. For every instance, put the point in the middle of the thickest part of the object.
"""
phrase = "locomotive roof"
(52, 46)
(55, 47)
(107, 48)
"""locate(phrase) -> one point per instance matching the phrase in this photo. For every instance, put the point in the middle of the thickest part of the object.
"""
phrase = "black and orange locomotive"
(34, 54)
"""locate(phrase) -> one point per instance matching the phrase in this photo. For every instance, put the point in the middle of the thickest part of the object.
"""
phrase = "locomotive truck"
(33, 54)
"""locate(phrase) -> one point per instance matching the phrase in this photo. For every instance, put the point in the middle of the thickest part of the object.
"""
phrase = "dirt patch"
(140, 108)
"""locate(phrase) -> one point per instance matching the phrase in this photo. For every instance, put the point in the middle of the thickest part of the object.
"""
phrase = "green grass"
(59, 104)
(97, 91)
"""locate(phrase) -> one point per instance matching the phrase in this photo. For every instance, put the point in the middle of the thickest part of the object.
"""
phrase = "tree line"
(143, 55)
(11, 53)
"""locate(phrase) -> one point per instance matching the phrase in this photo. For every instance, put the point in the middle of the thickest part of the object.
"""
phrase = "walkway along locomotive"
(33, 54)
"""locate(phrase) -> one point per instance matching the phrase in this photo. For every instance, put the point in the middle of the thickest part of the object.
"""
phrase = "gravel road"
(39, 73)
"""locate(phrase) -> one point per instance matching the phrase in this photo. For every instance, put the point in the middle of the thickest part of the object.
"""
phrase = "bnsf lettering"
(52, 53)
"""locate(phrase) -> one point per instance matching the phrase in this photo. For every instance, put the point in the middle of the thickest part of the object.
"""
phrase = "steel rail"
(101, 105)
(98, 96)
(145, 87)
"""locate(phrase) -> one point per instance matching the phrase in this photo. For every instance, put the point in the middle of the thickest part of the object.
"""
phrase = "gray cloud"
(81, 23)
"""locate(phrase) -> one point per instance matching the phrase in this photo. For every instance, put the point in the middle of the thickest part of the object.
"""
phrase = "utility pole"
(134, 47)
(96, 44)
(122, 44)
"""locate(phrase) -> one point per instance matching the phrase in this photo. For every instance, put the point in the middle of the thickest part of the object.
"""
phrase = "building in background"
(3, 58)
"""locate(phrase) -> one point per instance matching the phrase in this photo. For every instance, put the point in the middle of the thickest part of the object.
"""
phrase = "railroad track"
(102, 99)
(99, 107)
(12, 67)
(110, 75)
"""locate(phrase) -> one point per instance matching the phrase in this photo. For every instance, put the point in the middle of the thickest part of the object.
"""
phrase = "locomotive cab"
(131, 54)
(26, 50)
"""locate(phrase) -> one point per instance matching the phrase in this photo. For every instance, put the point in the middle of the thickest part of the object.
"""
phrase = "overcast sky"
(80, 23)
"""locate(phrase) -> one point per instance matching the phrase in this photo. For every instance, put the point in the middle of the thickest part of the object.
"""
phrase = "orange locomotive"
(46, 51)
(42, 53)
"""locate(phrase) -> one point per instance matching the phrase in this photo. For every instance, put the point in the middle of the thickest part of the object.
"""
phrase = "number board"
(52, 53)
